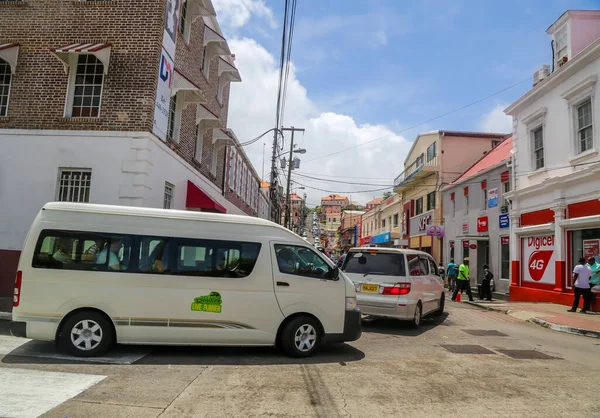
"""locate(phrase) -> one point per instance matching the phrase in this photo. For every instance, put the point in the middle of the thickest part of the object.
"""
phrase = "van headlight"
(351, 304)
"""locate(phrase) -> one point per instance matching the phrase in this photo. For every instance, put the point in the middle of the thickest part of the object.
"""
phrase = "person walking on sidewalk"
(486, 289)
(594, 280)
(581, 277)
(462, 281)
(452, 273)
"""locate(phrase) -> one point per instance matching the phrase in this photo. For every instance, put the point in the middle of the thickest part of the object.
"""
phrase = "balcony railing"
(421, 164)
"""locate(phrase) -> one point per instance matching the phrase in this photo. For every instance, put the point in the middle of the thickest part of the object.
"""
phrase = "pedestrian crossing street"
(30, 393)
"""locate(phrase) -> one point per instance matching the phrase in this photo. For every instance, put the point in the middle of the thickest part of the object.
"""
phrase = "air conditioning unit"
(542, 73)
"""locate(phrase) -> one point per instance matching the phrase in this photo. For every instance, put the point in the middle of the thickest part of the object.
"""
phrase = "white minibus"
(93, 275)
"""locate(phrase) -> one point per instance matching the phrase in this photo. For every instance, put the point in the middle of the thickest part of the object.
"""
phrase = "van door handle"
(283, 284)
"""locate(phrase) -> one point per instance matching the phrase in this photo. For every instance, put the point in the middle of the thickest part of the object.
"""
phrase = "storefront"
(419, 240)
(550, 243)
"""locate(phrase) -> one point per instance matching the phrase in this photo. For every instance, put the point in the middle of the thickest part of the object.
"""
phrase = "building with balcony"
(101, 105)
(555, 207)
(297, 213)
(384, 228)
(435, 159)
(476, 217)
(333, 203)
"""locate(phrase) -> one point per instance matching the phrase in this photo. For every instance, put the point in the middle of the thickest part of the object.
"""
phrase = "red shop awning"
(198, 199)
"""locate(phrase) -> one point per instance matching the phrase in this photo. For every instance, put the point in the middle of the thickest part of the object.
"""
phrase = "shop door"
(483, 257)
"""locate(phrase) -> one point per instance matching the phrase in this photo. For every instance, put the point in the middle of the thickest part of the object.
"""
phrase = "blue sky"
(392, 64)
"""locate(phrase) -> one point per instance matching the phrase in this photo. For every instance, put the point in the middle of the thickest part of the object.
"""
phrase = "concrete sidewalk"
(548, 315)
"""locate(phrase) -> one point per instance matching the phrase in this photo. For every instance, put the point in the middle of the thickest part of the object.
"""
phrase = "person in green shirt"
(595, 279)
(462, 281)
(595, 267)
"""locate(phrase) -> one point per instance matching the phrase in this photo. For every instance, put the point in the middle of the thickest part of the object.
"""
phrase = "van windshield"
(377, 263)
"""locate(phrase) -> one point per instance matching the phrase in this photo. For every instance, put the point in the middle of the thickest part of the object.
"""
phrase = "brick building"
(99, 104)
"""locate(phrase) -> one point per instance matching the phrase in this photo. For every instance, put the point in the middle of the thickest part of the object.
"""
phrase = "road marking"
(14, 346)
(30, 393)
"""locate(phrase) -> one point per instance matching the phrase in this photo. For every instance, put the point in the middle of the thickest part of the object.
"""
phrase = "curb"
(565, 328)
(550, 325)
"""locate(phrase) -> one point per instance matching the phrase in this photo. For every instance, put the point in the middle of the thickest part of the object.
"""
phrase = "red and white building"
(555, 213)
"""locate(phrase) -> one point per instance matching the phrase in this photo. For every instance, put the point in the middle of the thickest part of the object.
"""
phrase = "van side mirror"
(333, 274)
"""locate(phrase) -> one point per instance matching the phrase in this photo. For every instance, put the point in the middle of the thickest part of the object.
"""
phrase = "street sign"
(504, 221)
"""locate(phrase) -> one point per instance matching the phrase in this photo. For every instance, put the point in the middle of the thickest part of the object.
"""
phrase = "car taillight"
(17, 293)
(398, 289)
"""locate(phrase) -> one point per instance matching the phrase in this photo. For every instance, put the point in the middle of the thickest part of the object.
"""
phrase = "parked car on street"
(395, 283)
(93, 275)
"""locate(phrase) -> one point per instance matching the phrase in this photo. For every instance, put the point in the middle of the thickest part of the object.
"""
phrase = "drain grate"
(485, 333)
(528, 355)
(467, 349)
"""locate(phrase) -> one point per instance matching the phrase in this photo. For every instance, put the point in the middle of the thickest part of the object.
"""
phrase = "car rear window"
(380, 263)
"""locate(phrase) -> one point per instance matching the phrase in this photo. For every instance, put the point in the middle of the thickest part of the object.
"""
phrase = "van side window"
(300, 261)
(82, 251)
(433, 269)
(417, 266)
(94, 251)
(214, 258)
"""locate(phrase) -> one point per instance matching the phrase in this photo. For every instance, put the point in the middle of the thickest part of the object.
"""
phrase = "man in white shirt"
(581, 278)
(113, 258)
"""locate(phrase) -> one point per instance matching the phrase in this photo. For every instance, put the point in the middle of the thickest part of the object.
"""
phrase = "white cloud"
(252, 109)
(233, 14)
(496, 121)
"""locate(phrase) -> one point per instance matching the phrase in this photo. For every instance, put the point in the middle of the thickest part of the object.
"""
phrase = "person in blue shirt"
(452, 271)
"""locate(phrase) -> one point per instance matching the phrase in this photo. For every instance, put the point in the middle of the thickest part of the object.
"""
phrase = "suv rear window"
(379, 263)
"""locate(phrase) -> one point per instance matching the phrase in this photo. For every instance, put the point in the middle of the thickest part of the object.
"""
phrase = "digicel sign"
(538, 259)
(482, 224)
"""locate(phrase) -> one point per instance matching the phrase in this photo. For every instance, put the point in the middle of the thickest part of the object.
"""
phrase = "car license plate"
(371, 288)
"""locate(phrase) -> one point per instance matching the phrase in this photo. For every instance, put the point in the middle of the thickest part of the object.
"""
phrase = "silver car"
(395, 283)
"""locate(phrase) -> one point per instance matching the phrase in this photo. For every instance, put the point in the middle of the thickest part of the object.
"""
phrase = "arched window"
(5, 76)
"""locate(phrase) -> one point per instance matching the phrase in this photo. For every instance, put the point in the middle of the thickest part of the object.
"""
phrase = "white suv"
(395, 283)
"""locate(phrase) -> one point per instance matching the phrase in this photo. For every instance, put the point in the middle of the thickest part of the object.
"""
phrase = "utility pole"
(273, 181)
(289, 177)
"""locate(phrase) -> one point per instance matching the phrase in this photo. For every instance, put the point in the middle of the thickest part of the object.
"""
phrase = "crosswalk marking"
(28, 393)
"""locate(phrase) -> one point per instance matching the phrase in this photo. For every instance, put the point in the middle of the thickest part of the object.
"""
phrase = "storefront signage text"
(419, 224)
(465, 228)
(538, 259)
(504, 221)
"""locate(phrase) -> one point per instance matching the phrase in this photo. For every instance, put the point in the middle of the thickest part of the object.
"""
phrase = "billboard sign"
(538, 259)
(492, 198)
(163, 96)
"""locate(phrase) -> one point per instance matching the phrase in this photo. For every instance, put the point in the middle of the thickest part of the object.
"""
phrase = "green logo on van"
(210, 303)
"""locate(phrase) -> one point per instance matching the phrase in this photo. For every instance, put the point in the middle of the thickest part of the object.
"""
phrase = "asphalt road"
(391, 371)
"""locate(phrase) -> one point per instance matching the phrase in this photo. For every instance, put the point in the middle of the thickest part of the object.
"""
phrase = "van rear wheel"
(300, 337)
(86, 334)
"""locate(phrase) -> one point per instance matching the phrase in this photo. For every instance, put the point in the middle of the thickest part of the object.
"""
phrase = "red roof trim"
(8, 46)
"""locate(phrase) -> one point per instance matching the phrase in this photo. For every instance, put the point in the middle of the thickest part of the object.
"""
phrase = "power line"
(342, 182)
(347, 177)
(337, 191)
(425, 122)
(288, 58)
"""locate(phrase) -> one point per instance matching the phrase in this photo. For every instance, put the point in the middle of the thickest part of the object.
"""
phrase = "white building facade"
(555, 207)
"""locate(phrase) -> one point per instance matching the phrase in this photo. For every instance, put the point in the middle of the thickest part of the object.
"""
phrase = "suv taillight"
(17, 294)
(398, 289)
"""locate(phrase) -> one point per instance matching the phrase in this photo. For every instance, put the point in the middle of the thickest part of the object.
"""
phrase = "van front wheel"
(300, 337)
(86, 334)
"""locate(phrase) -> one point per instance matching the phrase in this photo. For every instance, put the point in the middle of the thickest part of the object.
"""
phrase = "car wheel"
(300, 337)
(417, 316)
(440, 310)
(86, 334)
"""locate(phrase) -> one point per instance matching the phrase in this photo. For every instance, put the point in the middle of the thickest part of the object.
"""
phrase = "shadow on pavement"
(397, 327)
(254, 356)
